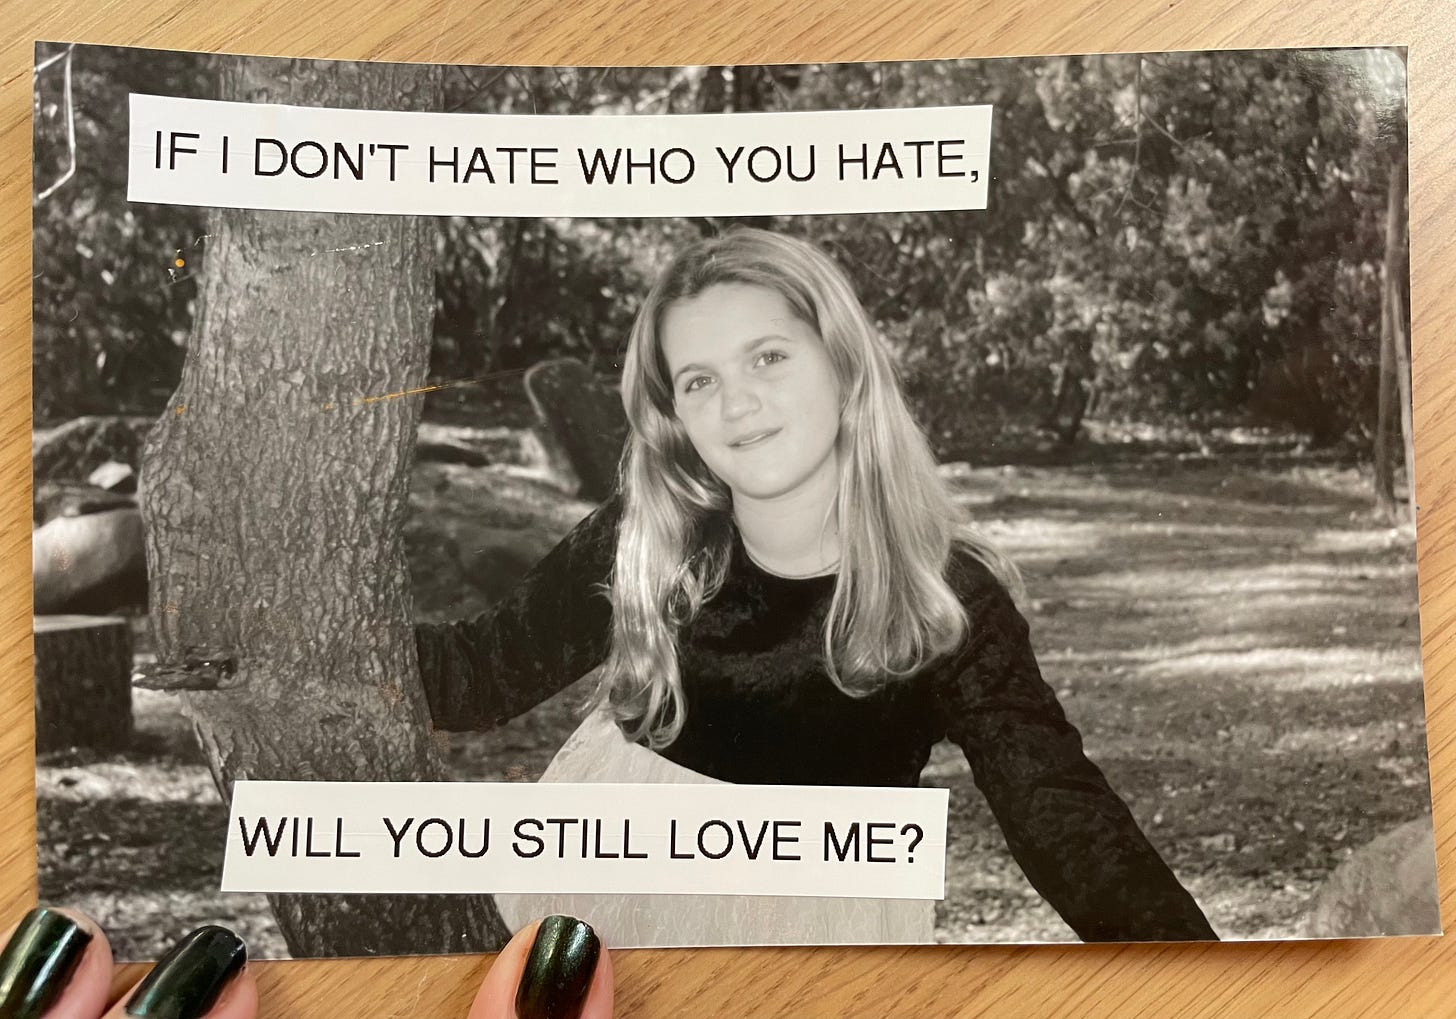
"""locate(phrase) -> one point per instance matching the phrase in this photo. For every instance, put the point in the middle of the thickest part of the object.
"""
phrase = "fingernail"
(189, 978)
(38, 962)
(558, 970)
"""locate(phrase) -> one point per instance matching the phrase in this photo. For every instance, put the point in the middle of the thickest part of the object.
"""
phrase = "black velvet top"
(762, 709)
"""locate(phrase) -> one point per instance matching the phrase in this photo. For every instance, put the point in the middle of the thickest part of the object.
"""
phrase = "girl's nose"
(740, 399)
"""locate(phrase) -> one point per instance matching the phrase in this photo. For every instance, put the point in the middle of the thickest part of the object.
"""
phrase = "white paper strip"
(612, 838)
(256, 156)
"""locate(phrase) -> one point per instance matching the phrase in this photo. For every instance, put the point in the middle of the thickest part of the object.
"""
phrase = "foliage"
(111, 307)
(1192, 239)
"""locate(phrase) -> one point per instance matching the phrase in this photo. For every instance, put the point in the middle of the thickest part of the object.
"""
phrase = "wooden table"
(1405, 977)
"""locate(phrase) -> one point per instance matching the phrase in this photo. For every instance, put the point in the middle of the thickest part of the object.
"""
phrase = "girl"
(784, 592)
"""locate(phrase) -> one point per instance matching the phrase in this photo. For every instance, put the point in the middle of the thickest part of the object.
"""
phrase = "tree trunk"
(82, 682)
(1393, 407)
(274, 492)
(1396, 261)
(1384, 405)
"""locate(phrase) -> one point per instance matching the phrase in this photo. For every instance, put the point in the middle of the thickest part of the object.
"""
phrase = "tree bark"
(274, 492)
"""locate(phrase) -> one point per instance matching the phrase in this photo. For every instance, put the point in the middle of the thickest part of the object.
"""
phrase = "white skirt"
(598, 752)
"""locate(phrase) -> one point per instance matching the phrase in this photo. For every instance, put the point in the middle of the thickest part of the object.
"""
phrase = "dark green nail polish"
(188, 979)
(38, 961)
(558, 970)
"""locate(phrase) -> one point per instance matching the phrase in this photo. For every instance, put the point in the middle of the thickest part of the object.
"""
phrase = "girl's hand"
(56, 964)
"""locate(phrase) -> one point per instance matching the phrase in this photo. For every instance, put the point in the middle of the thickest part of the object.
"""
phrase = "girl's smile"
(754, 439)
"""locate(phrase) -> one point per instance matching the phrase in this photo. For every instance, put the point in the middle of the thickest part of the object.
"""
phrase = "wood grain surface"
(1406, 977)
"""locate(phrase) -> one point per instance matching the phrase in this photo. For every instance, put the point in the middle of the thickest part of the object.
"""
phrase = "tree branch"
(1137, 151)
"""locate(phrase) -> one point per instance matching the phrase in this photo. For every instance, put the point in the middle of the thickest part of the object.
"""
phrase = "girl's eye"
(696, 383)
(771, 357)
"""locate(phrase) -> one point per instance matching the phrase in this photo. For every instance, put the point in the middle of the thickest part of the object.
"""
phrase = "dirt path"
(1241, 650)
(1238, 645)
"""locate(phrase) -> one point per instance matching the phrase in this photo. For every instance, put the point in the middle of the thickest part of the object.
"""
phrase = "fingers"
(553, 969)
(55, 963)
(202, 976)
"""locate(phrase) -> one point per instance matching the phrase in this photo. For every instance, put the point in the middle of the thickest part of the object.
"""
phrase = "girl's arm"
(1073, 836)
(554, 628)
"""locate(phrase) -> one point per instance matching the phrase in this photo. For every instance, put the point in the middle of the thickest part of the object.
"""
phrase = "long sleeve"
(1073, 836)
(554, 628)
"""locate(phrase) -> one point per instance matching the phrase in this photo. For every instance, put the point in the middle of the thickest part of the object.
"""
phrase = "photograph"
(1092, 506)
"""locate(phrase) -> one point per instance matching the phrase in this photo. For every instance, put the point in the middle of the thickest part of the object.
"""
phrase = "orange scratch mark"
(403, 392)
(180, 408)
(417, 390)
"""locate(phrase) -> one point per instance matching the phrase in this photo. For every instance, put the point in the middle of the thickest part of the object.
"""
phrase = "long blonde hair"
(892, 610)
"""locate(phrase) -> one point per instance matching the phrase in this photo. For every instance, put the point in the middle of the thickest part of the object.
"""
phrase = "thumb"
(55, 962)
(552, 969)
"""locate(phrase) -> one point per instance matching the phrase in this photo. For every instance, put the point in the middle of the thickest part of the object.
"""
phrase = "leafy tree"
(1186, 239)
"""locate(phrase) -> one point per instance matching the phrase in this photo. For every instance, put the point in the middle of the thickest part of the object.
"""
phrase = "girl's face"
(754, 388)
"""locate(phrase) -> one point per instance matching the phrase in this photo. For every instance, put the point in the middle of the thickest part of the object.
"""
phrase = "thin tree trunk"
(1393, 409)
(274, 493)
(1384, 406)
(1396, 242)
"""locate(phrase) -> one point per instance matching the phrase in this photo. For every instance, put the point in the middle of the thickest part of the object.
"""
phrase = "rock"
(74, 499)
(478, 447)
(472, 534)
(583, 418)
(114, 476)
(91, 563)
(1385, 888)
(82, 682)
(70, 452)
(1223, 842)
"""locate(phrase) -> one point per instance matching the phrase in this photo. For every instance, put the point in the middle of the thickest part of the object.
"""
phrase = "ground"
(1236, 638)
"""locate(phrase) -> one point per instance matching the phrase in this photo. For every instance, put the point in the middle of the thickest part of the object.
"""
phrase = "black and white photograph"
(1091, 505)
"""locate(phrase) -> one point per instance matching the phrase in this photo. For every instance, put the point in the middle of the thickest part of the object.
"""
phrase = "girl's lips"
(753, 438)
